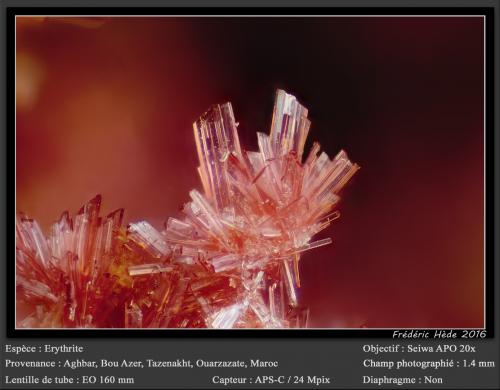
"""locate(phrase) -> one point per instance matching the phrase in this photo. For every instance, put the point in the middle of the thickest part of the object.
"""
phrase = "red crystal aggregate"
(230, 262)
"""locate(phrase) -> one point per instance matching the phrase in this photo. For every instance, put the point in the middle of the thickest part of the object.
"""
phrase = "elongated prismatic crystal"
(230, 261)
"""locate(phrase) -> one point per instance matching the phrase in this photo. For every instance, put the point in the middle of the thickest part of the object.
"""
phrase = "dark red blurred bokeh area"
(106, 105)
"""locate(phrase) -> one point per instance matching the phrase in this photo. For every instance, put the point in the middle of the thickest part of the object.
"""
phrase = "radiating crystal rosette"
(230, 261)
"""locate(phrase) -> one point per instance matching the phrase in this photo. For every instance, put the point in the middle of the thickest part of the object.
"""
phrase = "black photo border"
(490, 168)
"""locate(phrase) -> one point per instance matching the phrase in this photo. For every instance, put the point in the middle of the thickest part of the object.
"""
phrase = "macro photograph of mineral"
(249, 172)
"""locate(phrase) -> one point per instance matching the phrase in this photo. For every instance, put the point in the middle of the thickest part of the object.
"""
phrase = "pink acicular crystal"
(230, 262)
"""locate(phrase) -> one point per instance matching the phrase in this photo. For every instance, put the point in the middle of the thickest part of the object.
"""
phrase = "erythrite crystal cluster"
(231, 261)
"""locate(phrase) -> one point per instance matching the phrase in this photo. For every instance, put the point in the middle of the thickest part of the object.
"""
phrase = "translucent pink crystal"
(231, 261)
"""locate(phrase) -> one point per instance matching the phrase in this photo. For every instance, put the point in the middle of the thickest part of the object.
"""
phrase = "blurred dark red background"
(106, 106)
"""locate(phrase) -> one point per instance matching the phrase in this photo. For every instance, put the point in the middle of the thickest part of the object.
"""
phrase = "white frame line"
(270, 16)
